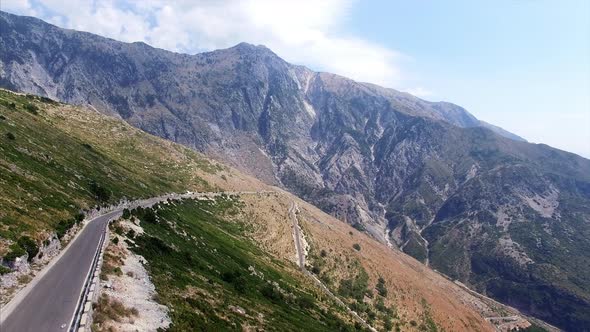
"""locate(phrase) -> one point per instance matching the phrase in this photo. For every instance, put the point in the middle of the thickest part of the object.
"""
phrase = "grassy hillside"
(203, 265)
(56, 160)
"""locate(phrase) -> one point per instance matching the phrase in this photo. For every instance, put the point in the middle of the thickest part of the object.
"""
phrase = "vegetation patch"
(59, 160)
(107, 309)
(204, 267)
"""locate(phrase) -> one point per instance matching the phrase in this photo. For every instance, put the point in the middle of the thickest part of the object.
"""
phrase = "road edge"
(9, 307)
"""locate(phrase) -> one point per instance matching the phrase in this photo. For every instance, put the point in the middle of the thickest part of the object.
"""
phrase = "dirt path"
(301, 263)
(297, 236)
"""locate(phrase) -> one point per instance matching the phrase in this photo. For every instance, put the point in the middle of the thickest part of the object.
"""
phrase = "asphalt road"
(52, 302)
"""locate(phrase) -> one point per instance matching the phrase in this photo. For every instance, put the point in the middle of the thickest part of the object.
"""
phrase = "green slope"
(202, 264)
(56, 160)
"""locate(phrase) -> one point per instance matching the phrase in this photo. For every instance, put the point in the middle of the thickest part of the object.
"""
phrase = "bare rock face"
(509, 218)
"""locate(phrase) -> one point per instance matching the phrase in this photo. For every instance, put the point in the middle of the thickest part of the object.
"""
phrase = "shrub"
(4, 270)
(380, 305)
(100, 193)
(357, 247)
(131, 234)
(271, 293)
(107, 309)
(323, 253)
(31, 108)
(388, 324)
(29, 245)
(63, 227)
(10, 136)
(305, 301)
(315, 269)
(47, 100)
(149, 216)
(14, 251)
(236, 279)
(79, 217)
(354, 288)
(359, 227)
(381, 289)
(126, 214)
(12, 105)
(116, 240)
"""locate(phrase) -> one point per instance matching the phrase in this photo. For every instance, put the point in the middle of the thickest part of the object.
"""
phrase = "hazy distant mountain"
(510, 218)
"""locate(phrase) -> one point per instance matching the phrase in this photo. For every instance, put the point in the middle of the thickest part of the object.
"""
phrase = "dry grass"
(107, 310)
(113, 258)
(415, 292)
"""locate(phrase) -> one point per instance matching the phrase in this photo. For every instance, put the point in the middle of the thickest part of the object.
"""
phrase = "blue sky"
(521, 64)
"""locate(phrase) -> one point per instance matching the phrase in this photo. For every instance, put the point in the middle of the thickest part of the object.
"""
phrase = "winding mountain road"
(49, 302)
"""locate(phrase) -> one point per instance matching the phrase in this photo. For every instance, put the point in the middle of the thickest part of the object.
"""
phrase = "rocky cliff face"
(507, 217)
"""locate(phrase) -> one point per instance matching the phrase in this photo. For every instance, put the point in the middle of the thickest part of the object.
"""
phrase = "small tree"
(357, 247)
(10, 136)
(381, 289)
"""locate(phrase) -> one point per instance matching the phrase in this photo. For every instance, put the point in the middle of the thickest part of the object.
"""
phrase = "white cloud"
(304, 32)
(419, 92)
(23, 7)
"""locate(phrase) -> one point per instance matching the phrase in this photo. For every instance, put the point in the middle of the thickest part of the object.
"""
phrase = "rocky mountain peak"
(463, 196)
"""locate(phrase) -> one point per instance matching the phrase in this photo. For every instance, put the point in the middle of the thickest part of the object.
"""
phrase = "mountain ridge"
(382, 161)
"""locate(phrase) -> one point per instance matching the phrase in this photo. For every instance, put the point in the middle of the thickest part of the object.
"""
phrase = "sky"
(521, 64)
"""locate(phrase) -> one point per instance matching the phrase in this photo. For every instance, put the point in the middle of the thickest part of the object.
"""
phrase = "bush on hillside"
(381, 289)
(4, 270)
(14, 251)
(63, 227)
(29, 245)
(100, 193)
(31, 108)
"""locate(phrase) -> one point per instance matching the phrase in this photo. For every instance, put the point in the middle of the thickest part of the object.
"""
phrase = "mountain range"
(509, 218)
